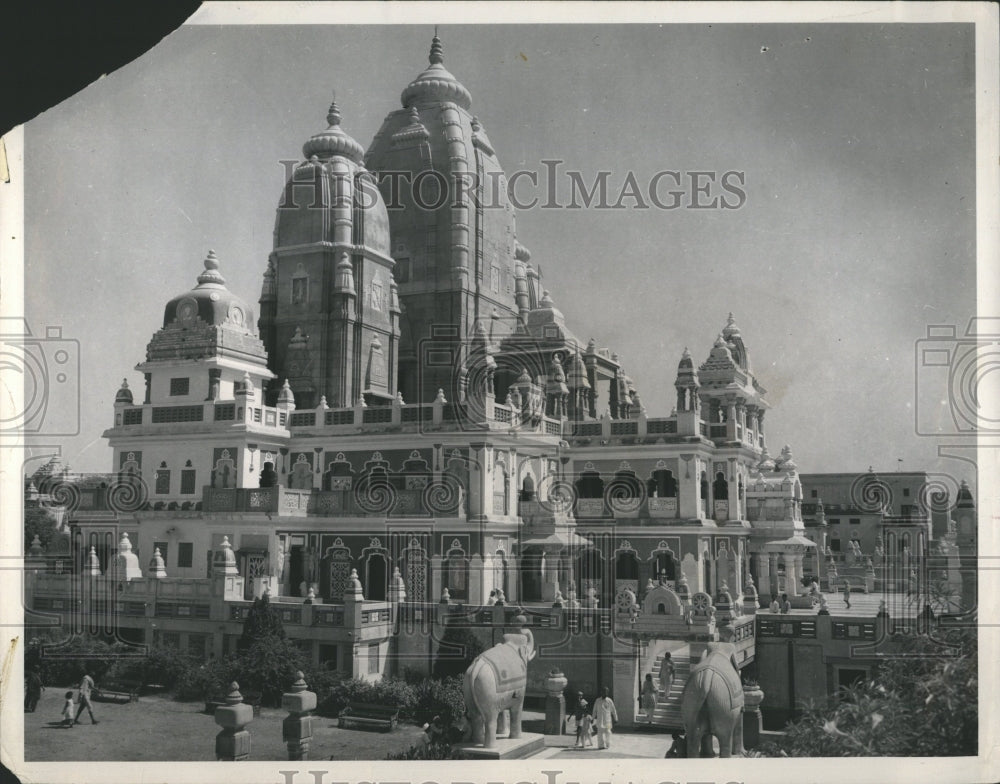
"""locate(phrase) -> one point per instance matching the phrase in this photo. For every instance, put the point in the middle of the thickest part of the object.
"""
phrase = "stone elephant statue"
(495, 682)
(712, 703)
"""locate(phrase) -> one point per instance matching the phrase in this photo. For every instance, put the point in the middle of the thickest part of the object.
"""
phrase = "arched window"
(662, 484)
(664, 566)
(338, 476)
(455, 570)
(703, 487)
(528, 488)
(720, 487)
(590, 485)
(626, 566)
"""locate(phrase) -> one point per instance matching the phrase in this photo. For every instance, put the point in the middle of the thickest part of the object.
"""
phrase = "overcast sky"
(858, 229)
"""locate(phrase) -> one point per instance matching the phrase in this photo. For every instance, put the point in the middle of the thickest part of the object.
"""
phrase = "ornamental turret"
(459, 249)
(326, 297)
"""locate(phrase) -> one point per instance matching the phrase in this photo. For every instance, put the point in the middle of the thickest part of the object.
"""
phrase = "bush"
(267, 666)
(389, 691)
(204, 682)
(459, 646)
(64, 661)
(440, 698)
(922, 704)
(432, 751)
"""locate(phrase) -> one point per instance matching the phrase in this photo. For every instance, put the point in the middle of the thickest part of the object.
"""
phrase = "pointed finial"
(437, 51)
(211, 273)
(333, 115)
(475, 125)
(414, 114)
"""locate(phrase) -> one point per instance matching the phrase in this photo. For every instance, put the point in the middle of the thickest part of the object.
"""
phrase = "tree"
(39, 522)
(921, 703)
(262, 622)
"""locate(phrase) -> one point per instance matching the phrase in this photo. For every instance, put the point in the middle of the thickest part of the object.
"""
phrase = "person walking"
(605, 717)
(68, 710)
(649, 697)
(587, 729)
(847, 593)
(33, 690)
(86, 686)
(578, 714)
(667, 671)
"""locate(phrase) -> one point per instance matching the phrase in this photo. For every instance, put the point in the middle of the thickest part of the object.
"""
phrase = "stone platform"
(528, 744)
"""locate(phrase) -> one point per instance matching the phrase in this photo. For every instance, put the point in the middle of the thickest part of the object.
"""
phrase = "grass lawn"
(158, 728)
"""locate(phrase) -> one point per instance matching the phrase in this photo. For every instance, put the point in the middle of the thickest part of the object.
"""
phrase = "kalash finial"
(437, 51)
(333, 115)
(211, 273)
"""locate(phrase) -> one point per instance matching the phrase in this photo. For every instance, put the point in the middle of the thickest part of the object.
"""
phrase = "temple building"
(411, 424)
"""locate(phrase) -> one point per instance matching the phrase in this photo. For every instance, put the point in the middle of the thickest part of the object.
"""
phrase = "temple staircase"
(667, 713)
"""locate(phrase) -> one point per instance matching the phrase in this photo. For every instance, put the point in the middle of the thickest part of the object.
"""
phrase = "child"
(587, 729)
(68, 712)
(678, 749)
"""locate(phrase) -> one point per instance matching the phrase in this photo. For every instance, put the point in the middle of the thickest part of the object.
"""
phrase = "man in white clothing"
(605, 716)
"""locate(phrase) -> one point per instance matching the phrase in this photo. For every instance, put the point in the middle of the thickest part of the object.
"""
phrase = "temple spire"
(437, 51)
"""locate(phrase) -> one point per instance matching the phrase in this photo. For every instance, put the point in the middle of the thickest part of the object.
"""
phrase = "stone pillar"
(764, 576)
(773, 558)
(555, 703)
(793, 573)
(752, 720)
(233, 743)
(297, 728)
(687, 489)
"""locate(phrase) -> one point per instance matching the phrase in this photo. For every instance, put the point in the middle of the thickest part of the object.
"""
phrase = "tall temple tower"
(329, 306)
(452, 229)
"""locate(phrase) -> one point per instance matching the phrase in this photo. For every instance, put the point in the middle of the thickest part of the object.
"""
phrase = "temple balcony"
(381, 501)
(474, 415)
(153, 419)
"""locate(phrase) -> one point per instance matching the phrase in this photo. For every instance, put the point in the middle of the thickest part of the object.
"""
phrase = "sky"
(856, 142)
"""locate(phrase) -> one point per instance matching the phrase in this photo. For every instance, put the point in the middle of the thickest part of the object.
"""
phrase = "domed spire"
(730, 330)
(211, 275)
(437, 51)
(435, 83)
(124, 394)
(333, 119)
(333, 141)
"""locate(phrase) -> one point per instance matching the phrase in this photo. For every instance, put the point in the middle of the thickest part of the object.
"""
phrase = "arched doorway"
(376, 576)
(590, 573)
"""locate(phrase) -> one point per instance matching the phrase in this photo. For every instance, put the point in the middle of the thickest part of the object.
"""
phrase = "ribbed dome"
(333, 141)
(334, 166)
(211, 302)
(436, 83)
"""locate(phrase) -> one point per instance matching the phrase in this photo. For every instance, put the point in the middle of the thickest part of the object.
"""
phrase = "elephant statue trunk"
(495, 682)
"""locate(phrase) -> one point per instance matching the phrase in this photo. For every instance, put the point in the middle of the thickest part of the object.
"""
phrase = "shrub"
(267, 666)
(459, 646)
(440, 698)
(915, 705)
(63, 661)
(204, 682)
(432, 751)
(389, 691)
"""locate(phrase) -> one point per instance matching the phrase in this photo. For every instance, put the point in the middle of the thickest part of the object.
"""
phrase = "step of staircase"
(667, 713)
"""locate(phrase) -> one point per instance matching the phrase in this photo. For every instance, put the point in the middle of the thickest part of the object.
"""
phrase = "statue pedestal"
(529, 744)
